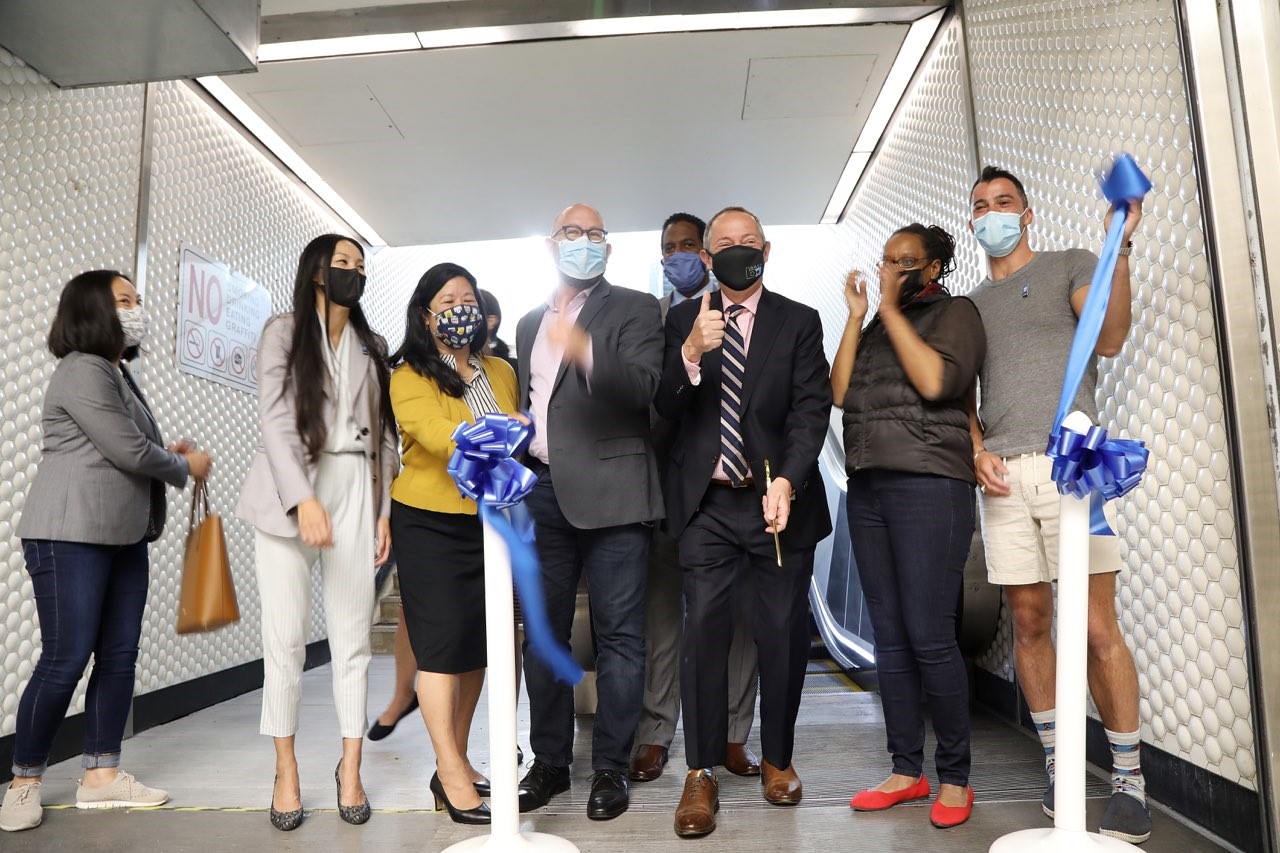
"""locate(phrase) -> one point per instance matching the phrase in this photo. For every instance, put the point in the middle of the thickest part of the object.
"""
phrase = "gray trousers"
(664, 622)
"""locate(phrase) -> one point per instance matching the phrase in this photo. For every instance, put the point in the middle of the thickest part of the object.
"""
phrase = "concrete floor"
(219, 772)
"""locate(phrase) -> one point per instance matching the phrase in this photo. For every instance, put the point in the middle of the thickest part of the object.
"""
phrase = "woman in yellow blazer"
(443, 379)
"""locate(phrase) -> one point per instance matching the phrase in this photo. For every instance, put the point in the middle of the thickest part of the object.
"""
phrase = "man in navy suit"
(746, 380)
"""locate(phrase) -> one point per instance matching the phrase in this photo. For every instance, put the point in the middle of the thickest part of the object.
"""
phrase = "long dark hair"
(419, 349)
(306, 365)
(86, 319)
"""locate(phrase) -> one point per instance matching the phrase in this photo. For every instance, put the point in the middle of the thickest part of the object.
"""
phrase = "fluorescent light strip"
(895, 85)
(647, 25)
(277, 146)
(635, 25)
(347, 46)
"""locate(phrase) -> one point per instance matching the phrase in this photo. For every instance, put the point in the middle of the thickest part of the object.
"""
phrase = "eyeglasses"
(573, 232)
(907, 263)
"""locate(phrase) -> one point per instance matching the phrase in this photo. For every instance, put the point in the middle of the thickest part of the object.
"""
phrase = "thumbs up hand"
(707, 332)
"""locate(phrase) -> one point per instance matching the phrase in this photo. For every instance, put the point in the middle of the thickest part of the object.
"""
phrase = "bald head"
(582, 215)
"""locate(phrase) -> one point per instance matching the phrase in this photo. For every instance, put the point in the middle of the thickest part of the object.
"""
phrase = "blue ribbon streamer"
(1091, 463)
(484, 470)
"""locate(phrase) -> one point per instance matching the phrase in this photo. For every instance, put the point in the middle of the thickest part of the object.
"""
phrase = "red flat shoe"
(872, 800)
(945, 817)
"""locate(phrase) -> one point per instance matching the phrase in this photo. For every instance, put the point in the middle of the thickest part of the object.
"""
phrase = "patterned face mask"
(457, 325)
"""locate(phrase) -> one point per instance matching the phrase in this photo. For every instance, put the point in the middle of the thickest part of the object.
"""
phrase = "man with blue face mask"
(1029, 305)
(589, 361)
(682, 265)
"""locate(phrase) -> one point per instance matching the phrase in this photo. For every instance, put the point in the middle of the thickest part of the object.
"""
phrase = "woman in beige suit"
(318, 490)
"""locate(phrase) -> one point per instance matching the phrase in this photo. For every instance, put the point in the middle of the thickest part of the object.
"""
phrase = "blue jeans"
(911, 535)
(89, 599)
(616, 563)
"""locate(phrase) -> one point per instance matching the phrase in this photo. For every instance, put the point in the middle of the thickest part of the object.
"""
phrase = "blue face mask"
(582, 260)
(685, 271)
(998, 233)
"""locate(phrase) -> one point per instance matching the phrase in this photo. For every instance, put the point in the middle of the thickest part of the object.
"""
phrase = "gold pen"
(777, 543)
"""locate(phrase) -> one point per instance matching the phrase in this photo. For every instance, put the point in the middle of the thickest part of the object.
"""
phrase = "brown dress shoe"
(739, 760)
(696, 814)
(647, 763)
(781, 787)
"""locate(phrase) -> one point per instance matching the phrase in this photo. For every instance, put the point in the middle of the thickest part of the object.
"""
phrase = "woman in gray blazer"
(97, 500)
(319, 490)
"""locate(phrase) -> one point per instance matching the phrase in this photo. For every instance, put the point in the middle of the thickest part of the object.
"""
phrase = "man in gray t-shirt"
(1029, 305)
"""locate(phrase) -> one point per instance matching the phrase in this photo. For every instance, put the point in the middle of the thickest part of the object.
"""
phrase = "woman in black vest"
(905, 383)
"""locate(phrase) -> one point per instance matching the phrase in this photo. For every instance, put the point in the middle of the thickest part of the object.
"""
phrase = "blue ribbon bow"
(484, 470)
(1091, 463)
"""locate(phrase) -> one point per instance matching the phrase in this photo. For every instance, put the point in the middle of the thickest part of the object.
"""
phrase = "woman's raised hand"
(855, 294)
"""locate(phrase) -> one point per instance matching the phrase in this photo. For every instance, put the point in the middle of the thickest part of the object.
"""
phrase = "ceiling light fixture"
(222, 93)
(895, 86)
(592, 28)
(346, 46)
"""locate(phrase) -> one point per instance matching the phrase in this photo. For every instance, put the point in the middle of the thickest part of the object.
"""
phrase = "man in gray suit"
(683, 267)
(589, 362)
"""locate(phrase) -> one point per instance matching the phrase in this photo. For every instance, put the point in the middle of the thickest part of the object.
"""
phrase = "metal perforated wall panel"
(69, 166)
(1057, 88)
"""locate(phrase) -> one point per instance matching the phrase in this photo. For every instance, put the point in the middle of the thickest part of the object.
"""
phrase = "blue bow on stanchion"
(484, 470)
(1091, 463)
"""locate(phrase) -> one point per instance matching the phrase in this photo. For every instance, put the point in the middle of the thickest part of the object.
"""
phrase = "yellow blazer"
(427, 418)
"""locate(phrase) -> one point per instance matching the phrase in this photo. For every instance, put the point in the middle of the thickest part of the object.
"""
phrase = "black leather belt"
(725, 484)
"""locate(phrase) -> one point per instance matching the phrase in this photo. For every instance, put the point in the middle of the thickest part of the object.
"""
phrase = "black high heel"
(354, 815)
(483, 788)
(478, 816)
(378, 731)
(284, 821)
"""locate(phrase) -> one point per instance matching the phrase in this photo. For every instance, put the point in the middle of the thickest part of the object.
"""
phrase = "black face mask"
(912, 283)
(344, 287)
(738, 267)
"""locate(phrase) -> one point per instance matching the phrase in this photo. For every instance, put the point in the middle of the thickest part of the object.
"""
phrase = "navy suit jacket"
(786, 409)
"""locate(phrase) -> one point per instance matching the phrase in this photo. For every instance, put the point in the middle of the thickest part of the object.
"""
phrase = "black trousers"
(724, 544)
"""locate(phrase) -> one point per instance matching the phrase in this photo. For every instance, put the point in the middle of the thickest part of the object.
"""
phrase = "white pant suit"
(351, 479)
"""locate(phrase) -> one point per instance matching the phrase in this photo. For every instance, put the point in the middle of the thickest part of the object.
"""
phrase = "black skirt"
(440, 560)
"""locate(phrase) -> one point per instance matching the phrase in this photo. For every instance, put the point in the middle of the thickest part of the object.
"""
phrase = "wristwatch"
(1126, 249)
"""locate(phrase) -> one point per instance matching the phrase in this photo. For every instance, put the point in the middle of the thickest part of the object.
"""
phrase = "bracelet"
(979, 453)
(1126, 249)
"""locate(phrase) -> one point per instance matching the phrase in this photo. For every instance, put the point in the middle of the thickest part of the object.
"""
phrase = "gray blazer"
(101, 451)
(601, 449)
(281, 476)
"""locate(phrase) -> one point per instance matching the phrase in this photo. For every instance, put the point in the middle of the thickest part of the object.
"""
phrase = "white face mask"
(136, 323)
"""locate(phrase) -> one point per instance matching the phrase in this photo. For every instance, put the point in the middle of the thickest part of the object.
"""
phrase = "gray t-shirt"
(1030, 323)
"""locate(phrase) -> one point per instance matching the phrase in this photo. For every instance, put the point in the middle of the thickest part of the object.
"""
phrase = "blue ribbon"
(484, 470)
(1091, 463)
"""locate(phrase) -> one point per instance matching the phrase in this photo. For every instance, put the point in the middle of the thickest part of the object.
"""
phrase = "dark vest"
(887, 424)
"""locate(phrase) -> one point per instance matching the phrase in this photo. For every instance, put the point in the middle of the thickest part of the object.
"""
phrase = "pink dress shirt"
(544, 366)
(746, 322)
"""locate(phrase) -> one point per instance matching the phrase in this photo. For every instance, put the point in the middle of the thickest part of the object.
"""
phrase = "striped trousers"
(284, 568)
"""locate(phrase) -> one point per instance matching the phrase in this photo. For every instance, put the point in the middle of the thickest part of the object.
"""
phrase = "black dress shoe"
(478, 816)
(540, 784)
(483, 788)
(378, 731)
(609, 796)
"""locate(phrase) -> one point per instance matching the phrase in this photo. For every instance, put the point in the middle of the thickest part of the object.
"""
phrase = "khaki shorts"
(1020, 532)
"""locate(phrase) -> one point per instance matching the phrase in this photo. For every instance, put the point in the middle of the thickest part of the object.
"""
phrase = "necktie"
(732, 369)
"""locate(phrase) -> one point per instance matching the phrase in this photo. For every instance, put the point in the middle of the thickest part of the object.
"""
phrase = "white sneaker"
(21, 809)
(123, 792)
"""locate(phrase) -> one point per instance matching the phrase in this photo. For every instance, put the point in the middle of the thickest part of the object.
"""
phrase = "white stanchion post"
(504, 831)
(1068, 834)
